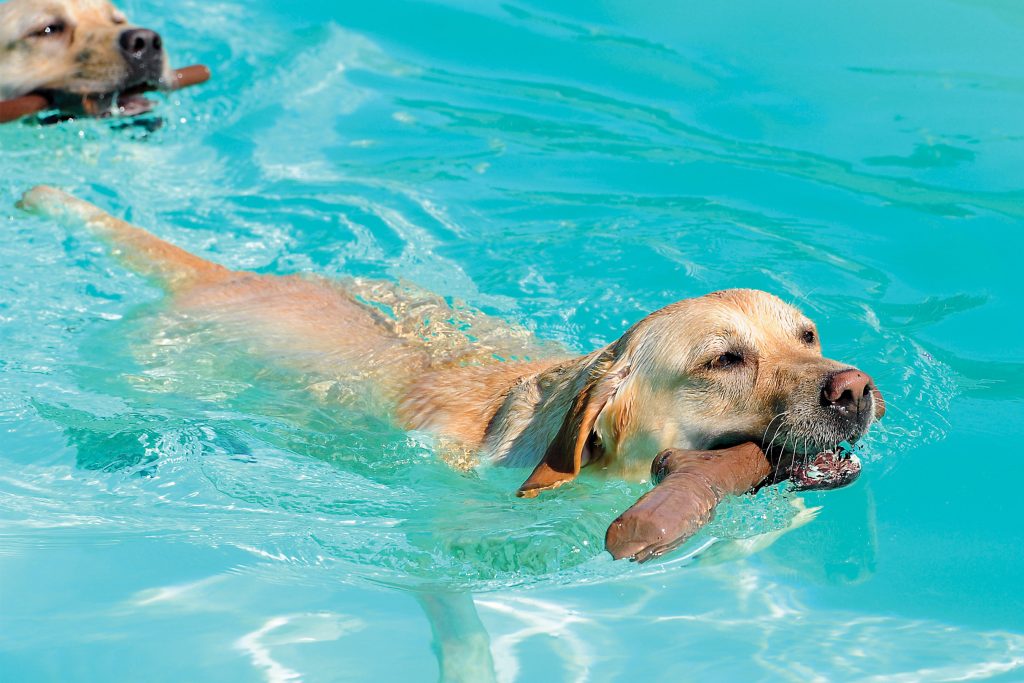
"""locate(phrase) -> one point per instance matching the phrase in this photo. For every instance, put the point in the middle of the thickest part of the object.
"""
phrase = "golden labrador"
(84, 50)
(705, 373)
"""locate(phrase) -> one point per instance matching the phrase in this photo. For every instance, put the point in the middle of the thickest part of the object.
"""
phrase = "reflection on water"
(758, 627)
(291, 629)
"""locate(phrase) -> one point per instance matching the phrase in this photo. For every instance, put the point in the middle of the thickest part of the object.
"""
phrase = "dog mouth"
(133, 103)
(830, 469)
(811, 468)
(124, 102)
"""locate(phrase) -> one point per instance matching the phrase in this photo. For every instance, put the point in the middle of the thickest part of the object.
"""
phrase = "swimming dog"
(709, 372)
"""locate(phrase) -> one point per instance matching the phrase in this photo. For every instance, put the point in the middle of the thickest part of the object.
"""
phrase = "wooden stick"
(689, 486)
(26, 105)
(12, 110)
(189, 75)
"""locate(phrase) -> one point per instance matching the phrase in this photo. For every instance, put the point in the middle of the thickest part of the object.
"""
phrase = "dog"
(704, 373)
(79, 51)
(710, 372)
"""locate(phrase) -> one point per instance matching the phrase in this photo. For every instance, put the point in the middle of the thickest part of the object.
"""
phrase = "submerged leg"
(461, 643)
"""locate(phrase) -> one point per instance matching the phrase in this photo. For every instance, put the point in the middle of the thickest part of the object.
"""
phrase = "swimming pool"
(171, 509)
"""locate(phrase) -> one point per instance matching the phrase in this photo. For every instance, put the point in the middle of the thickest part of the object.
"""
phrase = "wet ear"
(564, 456)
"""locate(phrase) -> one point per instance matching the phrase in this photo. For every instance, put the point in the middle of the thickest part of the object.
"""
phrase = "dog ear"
(564, 456)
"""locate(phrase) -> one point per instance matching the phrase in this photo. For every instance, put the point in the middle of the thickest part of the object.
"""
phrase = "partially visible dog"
(78, 49)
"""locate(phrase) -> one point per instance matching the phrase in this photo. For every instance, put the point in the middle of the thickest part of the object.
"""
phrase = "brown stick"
(689, 486)
(189, 75)
(12, 110)
(26, 105)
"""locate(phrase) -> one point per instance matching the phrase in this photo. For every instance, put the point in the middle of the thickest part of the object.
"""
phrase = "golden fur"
(68, 46)
(672, 380)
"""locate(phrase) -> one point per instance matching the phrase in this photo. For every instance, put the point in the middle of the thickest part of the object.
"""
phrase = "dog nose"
(848, 390)
(142, 48)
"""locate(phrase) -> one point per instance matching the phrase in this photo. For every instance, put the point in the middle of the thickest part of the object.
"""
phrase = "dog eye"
(807, 336)
(727, 360)
(53, 29)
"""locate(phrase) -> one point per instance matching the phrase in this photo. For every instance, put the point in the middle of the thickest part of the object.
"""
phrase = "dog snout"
(143, 51)
(851, 392)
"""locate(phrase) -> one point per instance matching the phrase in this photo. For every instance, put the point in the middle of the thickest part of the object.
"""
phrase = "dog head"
(706, 373)
(80, 47)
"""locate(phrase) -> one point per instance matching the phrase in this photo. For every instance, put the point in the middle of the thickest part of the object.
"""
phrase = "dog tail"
(153, 258)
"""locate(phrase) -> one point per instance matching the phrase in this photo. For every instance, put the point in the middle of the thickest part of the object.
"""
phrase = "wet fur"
(84, 59)
(653, 388)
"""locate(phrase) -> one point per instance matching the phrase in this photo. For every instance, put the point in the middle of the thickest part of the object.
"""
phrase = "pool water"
(174, 508)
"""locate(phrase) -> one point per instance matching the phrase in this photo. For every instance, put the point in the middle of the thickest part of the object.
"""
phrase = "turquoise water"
(174, 509)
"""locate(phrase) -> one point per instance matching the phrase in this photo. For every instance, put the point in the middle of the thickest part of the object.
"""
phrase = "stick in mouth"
(690, 484)
(94, 105)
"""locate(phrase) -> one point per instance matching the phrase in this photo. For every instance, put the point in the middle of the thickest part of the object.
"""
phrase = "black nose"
(143, 51)
(849, 391)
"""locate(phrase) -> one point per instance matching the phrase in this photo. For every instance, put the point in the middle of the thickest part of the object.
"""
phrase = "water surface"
(173, 508)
